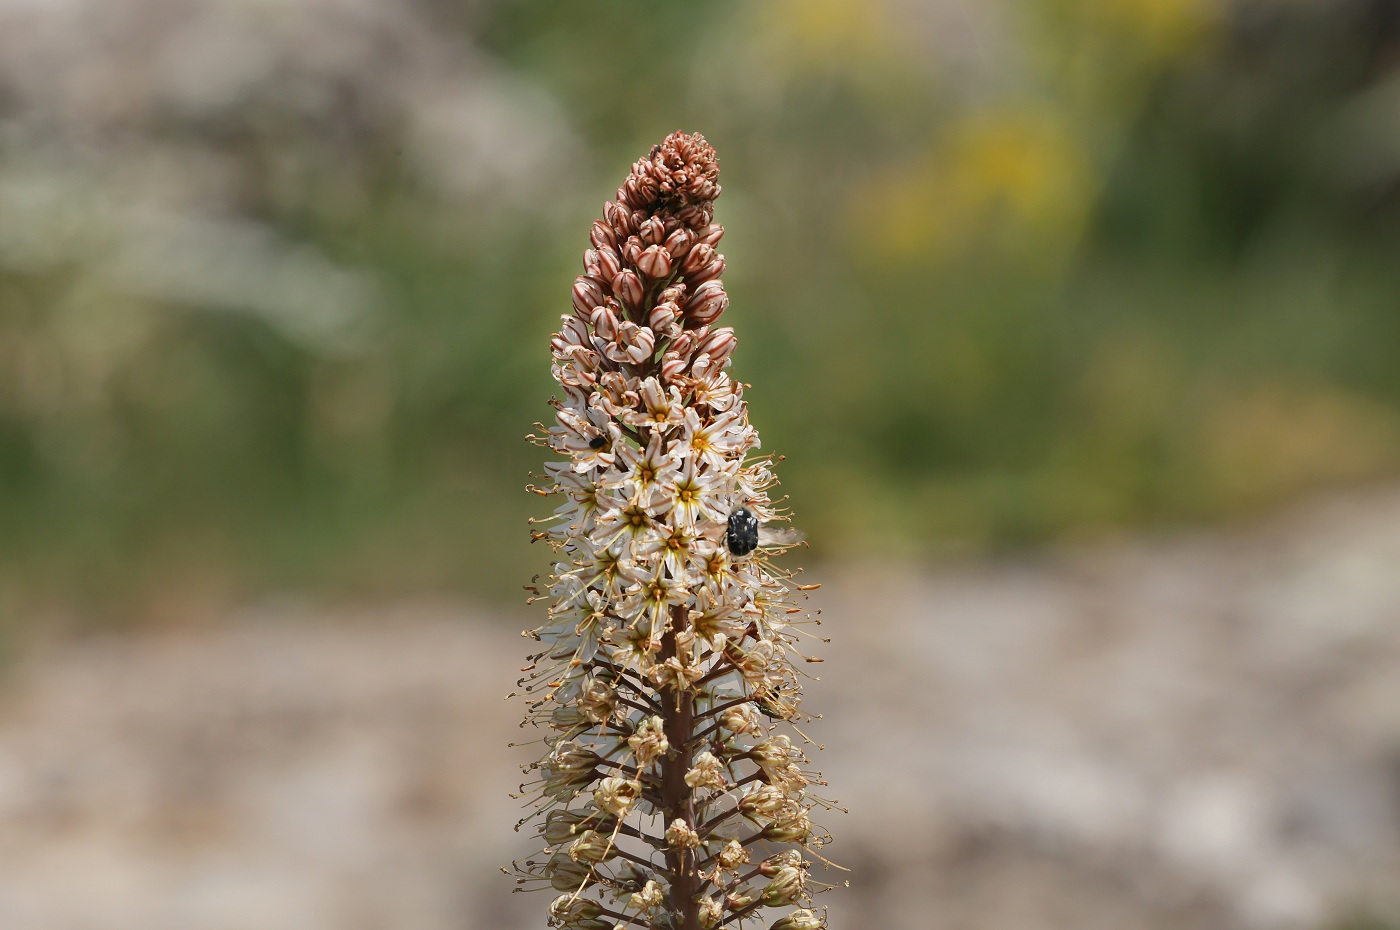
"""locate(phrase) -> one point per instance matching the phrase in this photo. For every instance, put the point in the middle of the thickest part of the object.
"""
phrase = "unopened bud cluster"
(666, 798)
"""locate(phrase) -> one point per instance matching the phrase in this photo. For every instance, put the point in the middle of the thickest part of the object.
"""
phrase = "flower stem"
(678, 719)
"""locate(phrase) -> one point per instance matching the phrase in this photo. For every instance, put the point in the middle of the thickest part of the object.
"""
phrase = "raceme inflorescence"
(674, 791)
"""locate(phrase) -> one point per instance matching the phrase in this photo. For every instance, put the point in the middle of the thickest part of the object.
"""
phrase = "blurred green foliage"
(1091, 264)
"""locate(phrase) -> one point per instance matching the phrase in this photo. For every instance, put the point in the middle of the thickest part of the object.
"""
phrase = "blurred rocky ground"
(1191, 732)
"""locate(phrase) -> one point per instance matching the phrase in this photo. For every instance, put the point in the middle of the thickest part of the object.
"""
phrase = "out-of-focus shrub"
(273, 279)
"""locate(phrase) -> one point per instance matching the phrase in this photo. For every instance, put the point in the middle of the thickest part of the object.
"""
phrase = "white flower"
(644, 474)
(661, 407)
(692, 493)
(716, 391)
(719, 441)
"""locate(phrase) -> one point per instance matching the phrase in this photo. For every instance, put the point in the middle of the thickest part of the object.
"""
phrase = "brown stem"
(725, 666)
(644, 708)
(741, 913)
(615, 915)
(678, 716)
(723, 707)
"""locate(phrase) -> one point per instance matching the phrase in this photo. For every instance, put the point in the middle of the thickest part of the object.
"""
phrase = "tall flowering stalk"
(667, 798)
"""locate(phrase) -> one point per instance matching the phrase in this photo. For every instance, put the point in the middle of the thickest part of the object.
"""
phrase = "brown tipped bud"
(567, 875)
(639, 192)
(609, 264)
(632, 249)
(787, 859)
(684, 344)
(653, 231)
(706, 304)
(711, 234)
(711, 271)
(673, 366)
(718, 345)
(602, 236)
(592, 846)
(794, 830)
(587, 295)
(568, 910)
(655, 262)
(627, 287)
(699, 257)
(679, 243)
(662, 316)
(785, 889)
(565, 718)
(604, 320)
(573, 331)
(619, 218)
(800, 919)
(562, 825)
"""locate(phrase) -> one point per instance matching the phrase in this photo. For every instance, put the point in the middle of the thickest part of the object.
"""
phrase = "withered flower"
(668, 659)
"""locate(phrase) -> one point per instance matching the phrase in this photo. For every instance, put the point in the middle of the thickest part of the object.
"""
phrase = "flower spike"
(666, 673)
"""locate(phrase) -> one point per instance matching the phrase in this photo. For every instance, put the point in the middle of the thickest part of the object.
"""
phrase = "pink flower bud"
(655, 262)
(672, 366)
(662, 316)
(590, 263)
(684, 344)
(627, 287)
(608, 263)
(679, 243)
(710, 235)
(706, 304)
(718, 345)
(700, 256)
(604, 322)
(572, 335)
(711, 271)
(638, 192)
(619, 218)
(632, 249)
(653, 231)
(602, 236)
(587, 295)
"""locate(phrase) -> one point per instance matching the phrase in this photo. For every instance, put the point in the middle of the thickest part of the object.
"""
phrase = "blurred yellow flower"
(1279, 439)
(1159, 28)
(845, 34)
(1015, 178)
